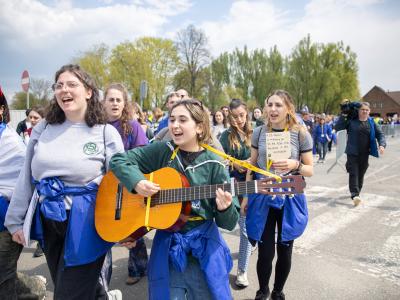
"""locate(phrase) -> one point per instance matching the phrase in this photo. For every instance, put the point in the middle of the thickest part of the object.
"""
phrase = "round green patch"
(90, 148)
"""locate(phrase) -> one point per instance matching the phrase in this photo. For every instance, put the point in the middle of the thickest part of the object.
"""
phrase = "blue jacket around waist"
(82, 243)
(295, 214)
(3, 210)
(3, 201)
(203, 242)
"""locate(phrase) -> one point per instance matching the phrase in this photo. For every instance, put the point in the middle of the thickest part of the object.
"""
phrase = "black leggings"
(70, 283)
(266, 253)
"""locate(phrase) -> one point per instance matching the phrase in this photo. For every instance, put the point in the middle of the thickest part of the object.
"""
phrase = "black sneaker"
(38, 252)
(275, 295)
(260, 295)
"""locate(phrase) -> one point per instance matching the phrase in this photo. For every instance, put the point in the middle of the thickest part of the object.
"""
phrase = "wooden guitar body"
(130, 226)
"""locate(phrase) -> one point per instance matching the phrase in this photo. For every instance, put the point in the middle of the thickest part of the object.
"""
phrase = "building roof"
(393, 95)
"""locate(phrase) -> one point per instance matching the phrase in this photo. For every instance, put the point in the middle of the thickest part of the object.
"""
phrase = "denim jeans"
(244, 246)
(9, 254)
(322, 150)
(138, 259)
(190, 284)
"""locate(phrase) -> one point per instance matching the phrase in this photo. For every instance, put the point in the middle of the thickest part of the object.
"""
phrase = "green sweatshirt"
(206, 169)
(243, 153)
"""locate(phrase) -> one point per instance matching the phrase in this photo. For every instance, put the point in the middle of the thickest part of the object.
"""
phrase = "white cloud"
(260, 24)
(31, 24)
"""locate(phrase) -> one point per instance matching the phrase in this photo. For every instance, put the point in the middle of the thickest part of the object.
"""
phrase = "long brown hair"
(291, 119)
(141, 119)
(126, 114)
(234, 137)
(94, 113)
(200, 115)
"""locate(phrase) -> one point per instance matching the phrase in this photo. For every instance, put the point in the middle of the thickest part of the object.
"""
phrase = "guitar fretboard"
(202, 192)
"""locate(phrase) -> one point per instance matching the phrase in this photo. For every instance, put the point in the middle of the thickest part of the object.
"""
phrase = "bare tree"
(41, 89)
(192, 48)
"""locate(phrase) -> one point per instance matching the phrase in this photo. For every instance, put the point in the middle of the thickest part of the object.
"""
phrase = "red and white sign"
(25, 81)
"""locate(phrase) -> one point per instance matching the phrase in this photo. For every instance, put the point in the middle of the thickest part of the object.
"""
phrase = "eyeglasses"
(58, 86)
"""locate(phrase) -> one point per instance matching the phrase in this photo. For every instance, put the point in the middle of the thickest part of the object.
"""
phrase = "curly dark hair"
(94, 113)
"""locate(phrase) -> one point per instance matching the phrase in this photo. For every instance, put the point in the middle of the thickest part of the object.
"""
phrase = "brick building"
(383, 104)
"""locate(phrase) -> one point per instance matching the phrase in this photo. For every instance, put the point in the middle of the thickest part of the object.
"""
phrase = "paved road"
(345, 252)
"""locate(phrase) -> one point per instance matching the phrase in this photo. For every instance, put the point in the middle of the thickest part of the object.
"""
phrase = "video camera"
(350, 108)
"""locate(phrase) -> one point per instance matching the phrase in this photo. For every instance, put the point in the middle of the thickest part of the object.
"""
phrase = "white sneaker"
(114, 295)
(356, 200)
(241, 279)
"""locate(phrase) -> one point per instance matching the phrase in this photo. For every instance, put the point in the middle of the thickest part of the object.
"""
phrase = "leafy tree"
(19, 101)
(94, 61)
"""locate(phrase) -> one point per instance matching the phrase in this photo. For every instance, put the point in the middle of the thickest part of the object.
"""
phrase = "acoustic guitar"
(120, 214)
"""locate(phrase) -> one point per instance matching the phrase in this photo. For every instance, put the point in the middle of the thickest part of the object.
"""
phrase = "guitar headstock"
(291, 184)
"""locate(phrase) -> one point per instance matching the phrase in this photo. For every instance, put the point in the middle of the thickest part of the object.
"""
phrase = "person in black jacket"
(24, 124)
(363, 136)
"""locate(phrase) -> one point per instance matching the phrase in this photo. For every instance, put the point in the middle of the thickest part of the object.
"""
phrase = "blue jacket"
(352, 127)
(322, 133)
(82, 243)
(3, 201)
(163, 123)
(3, 210)
(295, 214)
(203, 242)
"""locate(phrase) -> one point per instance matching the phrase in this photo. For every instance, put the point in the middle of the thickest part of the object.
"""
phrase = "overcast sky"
(41, 36)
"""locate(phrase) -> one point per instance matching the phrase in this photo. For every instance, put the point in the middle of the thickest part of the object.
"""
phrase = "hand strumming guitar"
(147, 188)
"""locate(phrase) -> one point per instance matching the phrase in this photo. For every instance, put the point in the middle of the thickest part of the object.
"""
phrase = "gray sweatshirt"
(73, 152)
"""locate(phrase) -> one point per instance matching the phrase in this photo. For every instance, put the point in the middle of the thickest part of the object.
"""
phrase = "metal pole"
(27, 99)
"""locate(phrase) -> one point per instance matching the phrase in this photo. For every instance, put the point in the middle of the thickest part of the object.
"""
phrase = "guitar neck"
(202, 192)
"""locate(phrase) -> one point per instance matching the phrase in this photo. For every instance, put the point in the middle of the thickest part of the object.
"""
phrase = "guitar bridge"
(118, 202)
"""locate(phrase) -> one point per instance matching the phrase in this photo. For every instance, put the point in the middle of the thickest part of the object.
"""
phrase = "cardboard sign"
(278, 145)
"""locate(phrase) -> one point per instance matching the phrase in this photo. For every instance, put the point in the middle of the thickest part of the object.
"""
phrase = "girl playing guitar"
(195, 262)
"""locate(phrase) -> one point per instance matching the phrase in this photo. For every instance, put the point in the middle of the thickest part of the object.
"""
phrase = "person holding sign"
(236, 143)
(282, 146)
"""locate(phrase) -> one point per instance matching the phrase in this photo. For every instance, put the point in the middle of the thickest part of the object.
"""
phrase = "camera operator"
(362, 137)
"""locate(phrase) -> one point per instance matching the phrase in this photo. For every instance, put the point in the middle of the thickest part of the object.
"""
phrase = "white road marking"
(327, 224)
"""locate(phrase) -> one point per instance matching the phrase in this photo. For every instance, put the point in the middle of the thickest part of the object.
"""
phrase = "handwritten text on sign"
(278, 145)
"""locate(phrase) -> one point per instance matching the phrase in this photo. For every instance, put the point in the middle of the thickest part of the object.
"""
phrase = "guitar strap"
(241, 163)
(146, 217)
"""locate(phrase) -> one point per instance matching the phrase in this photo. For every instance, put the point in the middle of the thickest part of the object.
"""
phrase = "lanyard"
(241, 163)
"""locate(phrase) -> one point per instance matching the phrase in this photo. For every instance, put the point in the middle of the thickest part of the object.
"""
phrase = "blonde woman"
(288, 213)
